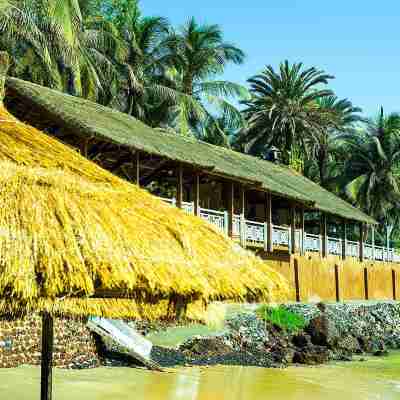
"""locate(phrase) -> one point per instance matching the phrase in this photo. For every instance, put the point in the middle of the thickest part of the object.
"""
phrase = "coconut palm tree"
(143, 85)
(51, 45)
(199, 54)
(338, 116)
(372, 170)
(283, 109)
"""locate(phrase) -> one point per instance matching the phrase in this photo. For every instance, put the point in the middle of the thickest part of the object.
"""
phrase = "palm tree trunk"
(322, 166)
(188, 83)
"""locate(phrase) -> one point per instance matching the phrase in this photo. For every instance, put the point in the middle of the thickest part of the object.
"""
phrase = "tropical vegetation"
(172, 78)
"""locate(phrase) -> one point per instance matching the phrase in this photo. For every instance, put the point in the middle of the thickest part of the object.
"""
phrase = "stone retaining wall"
(20, 343)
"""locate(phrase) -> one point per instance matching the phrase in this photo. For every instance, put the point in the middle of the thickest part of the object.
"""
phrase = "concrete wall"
(20, 343)
(312, 278)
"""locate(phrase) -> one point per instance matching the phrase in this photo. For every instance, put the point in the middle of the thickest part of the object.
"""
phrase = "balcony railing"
(255, 233)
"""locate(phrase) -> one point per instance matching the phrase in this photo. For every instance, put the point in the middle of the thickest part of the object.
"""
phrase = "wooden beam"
(302, 232)
(293, 229)
(179, 186)
(136, 167)
(361, 242)
(337, 283)
(242, 212)
(196, 194)
(46, 387)
(268, 242)
(373, 241)
(297, 280)
(344, 239)
(324, 235)
(231, 207)
(366, 289)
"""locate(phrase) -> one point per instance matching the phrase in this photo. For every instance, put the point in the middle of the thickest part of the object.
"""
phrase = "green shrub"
(282, 318)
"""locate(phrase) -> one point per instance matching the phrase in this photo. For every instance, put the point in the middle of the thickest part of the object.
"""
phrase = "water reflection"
(372, 380)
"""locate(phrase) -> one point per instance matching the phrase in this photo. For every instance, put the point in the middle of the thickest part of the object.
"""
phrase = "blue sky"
(357, 41)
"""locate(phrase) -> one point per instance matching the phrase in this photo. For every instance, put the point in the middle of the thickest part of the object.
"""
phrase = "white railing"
(312, 242)
(281, 236)
(368, 251)
(236, 226)
(255, 233)
(352, 249)
(217, 218)
(334, 246)
(187, 206)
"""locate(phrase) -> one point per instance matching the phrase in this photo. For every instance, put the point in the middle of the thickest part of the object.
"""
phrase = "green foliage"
(282, 318)
(282, 111)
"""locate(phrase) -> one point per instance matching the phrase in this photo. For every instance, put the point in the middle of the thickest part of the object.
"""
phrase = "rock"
(301, 340)
(349, 344)
(381, 353)
(206, 346)
(323, 331)
(312, 355)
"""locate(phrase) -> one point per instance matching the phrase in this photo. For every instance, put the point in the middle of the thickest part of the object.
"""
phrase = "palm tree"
(199, 54)
(373, 167)
(337, 117)
(283, 109)
(144, 89)
(51, 45)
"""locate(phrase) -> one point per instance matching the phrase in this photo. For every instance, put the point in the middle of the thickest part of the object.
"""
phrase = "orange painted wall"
(316, 277)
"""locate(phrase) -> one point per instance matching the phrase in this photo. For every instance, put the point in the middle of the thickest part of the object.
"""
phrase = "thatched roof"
(92, 120)
(68, 228)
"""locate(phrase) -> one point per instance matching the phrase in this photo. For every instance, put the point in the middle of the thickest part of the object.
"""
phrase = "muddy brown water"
(374, 379)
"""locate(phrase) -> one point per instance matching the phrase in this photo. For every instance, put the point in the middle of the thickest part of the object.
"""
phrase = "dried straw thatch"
(71, 229)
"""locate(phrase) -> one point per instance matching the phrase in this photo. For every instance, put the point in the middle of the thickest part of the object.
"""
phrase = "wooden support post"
(324, 236)
(196, 194)
(361, 242)
(387, 244)
(344, 239)
(242, 211)
(293, 243)
(297, 280)
(179, 186)
(373, 241)
(337, 283)
(136, 167)
(46, 388)
(366, 284)
(268, 241)
(231, 207)
(394, 284)
(302, 233)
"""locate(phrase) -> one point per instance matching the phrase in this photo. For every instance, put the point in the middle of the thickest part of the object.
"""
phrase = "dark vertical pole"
(366, 284)
(361, 242)
(268, 213)
(344, 240)
(394, 283)
(297, 280)
(324, 235)
(242, 212)
(303, 233)
(137, 168)
(231, 207)
(337, 284)
(179, 186)
(293, 229)
(242, 201)
(196, 194)
(47, 357)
